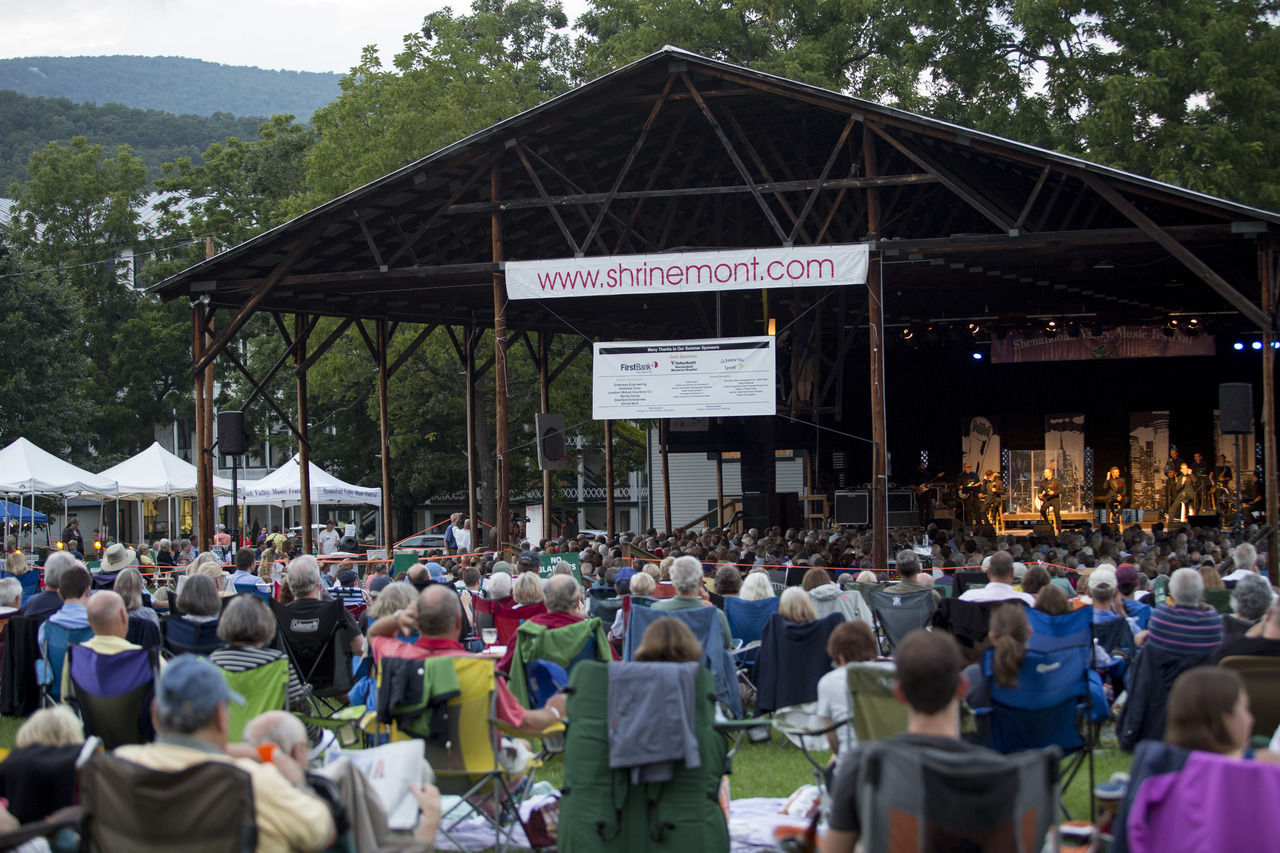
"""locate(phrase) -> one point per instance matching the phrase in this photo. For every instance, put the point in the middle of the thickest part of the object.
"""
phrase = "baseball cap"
(379, 583)
(1127, 576)
(502, 566)
(191, 686)
(530, 557)
(623, 578)
(348, 576)
(1102, 579)
(435, 569)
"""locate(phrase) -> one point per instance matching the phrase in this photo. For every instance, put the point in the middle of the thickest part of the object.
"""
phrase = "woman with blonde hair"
(56, 726)
(207, 564)
(795, 605)
(15, 563)
(756, 587)
(128, 586)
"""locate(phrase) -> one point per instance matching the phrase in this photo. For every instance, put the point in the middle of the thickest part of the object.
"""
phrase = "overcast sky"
(298, 35)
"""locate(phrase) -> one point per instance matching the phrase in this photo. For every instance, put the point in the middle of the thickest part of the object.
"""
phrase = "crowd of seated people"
(413, 613)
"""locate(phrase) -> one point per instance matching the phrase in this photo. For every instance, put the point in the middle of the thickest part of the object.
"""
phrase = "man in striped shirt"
(1186, 626)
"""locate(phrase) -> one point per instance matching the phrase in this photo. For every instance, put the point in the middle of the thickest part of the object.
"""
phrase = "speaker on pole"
(232, 440)
(551, 443)
(1235, 408)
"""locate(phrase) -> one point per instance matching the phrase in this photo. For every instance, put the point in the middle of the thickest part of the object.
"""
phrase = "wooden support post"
(608, 476)
(304, 449)
(203, 492)
(544, 385)
(720, 488)
(1266, 259)
(503, 468)
(875, 328)
(384, 433)
(470, 358)
(666, 476)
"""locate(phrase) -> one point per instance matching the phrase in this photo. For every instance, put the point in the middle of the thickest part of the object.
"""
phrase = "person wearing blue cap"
(192, 718)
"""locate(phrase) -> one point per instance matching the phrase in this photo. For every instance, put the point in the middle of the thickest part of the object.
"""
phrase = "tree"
(455, 76)
(41, 364)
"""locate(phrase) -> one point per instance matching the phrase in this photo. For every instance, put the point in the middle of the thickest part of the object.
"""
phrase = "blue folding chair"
(253, 589)
(182, 636)
(30, 581)
(748, 618)
(1053, 702)
(705, 624)
(53, 654)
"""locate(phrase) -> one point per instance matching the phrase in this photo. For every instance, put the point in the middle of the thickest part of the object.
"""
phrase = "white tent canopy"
(283, 487)
(27, 469)
(156, 473)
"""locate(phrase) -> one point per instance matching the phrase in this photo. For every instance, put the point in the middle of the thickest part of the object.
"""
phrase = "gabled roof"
(972, 224)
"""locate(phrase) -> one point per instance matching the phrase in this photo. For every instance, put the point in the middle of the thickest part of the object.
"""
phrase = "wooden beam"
(325, 344)
(969, 195)
(583, 343)
(822, 176)
(280, 413)
(304, 243)
(469, 375)
(368, 341)
(1238, 300)
(260, 387)
(384, 433)
(412, 277)
(875, 323)
(733, 156)
(457, 194)
(304, 446)
(284, 333)
(546, 199)
(1031, 199)
(358, 215)
(408, 351)
(764, 173)
(1053, 240)
(677, 132)
(502, 435)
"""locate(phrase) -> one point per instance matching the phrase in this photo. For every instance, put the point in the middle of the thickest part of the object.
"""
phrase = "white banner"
(688, 272)
(664, 379)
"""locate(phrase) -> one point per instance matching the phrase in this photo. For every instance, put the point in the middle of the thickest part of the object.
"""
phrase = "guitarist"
(923, 490)
(1051, 496)
(993, 494)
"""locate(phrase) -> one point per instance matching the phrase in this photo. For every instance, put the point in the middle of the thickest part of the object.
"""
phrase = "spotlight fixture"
(1051, 329)
(977, 356)
(1095, 328)
(907, 334)
(1239, 345)
(974, 329)
(1257, 344)
(1191, 328)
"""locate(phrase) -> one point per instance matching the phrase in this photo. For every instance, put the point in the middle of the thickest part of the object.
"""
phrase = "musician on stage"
(1051, 496)
(1255, 509)
(1115, 494)
(1184, 493)
(1171, 480)
(969, 490)
(923, 490)
(1204, 489)
(1223, 477)
(993, 493)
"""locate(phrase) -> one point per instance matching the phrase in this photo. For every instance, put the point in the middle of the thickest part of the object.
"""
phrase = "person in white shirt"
(1000, 586)
(462, 534)
(1245, 560)
(329, 539)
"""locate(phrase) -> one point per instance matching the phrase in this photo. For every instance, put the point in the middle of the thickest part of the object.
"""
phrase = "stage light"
(1095, 328)
(1257, 344)
(1275, 344)
(97, 546)
(1051, 329)
(1169, 331)
(907, 334)
(977, 356)
(974, 329)
(773, 327)
(1239, 345)
(59, 545)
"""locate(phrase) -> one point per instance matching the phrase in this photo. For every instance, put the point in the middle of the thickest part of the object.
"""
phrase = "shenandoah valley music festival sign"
(1114, 342)
(688, 272)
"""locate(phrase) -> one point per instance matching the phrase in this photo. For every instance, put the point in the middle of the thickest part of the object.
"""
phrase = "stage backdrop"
(1114, 342)
(1148, 450)
(980, 444)
(1226, 445)
(1064, 435)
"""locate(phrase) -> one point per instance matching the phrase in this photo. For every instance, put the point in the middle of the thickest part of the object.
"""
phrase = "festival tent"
(283, 487)
(27, 470)
(25, 515)
(156, 473)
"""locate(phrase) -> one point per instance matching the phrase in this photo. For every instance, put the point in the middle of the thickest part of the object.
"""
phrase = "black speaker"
(551, 443)
(853, 508)
(1235, 408)
(755, 510)
(1042, 528)
(986, 531)
(1209, 520)
(232, 440)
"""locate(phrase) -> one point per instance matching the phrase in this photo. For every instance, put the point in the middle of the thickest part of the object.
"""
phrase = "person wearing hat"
(529, 562)
(1102, 593)
(348, 590)
(222, 538)
(118, 557)
(192, 716)
(1127, 585)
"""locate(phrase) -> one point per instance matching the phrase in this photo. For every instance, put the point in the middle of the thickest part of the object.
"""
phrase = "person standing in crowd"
(328, 539)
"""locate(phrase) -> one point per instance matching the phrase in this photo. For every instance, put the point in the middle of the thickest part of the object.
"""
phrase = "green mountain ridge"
(172, 84)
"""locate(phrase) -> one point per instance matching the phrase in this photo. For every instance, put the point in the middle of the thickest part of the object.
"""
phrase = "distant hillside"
(28, 124)
(171, 84)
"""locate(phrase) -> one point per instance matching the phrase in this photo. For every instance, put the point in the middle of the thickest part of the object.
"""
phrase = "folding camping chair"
(113, 693)
(143, 632)
(1261, 674)
(450, 703)
(264, 688)
(565, 647)
(877, 713)
(918, 798)
(53, 656)
(20, 693)
(604, 603)
(315, 638)
(253, 589)
(602, 810)
(1151, 677)
(705, 624)
(899, 613)
(182, 636)
(132, 809)
(1051, 706)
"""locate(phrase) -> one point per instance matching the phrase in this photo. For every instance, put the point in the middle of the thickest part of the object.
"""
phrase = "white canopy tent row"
(283, 488)
(156, 474)
(27, 470)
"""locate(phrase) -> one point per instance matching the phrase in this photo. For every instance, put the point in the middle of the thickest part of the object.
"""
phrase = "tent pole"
(304, 449)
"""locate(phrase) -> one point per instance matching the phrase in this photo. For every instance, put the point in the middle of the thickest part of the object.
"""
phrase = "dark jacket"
(1152, 676)
(792, 659)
